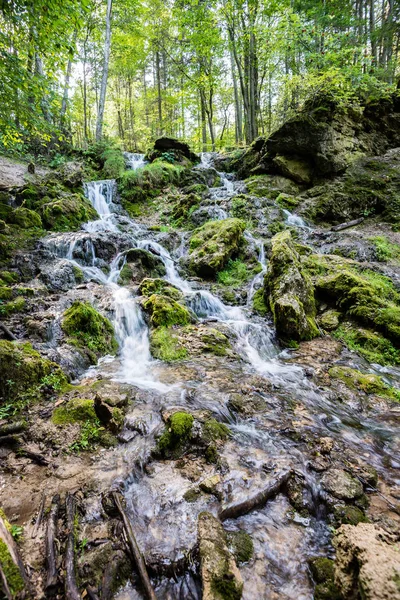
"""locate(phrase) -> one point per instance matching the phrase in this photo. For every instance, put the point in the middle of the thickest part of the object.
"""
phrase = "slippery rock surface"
(213, 244)
(219, 573)
(367, 563)
(290, 291)
(341, 485)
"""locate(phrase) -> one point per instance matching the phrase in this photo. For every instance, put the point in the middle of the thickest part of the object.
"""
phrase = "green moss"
(368, 383)
(259, 305)
(235, 273)
(214, 342)
(241, 545)
(78, 274)
(191, 495)
(142, 184)
(113, 162)
(12, 574)
(164, 345)
(213, 244)
(14, 306)
(159, 286)
(385, 250)
(226, 589)
(177, 432)
(165, 311)
(366, 296)
(213, 430)
(8, 277)
(372, 346)
(76, 410)
(26, 218)
(329, 320)
(287, 201)
(6, 293)
(89, 330)
(22, 371)
(290, 291)
(323, 572)
(66, 212)
(349, 515)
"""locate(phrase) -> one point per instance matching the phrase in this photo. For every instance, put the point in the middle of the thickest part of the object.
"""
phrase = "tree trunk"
(103, 88)
(66, 84)
(238, 107)
(203, 123)
(159, 97)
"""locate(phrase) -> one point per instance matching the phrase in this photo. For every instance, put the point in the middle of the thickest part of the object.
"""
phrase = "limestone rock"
(290, 291)
(220, 576)
(294, 168)
(367, 563)
(341, 485)
(213, 244)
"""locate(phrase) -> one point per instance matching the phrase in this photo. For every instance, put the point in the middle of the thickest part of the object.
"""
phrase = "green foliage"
(164, 311)
(91, 433)
(113, 162)
(164, 345)
(372, 346)
(235, 273)
(385, 250)
(368, 383)
(177, 432)
(89, 330)
(146, 182)
(17, 532)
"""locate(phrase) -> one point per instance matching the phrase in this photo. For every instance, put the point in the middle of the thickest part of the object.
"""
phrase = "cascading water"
(134, 160)
(164, 523)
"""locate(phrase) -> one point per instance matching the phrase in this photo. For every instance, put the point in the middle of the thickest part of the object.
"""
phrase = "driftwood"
(71, 588)
(10, 428)
(51, 546)
(237, 509)
(35, 456)
(9, 334)
(39, 517)
(347, 224)
(137, 555)
(13, 551)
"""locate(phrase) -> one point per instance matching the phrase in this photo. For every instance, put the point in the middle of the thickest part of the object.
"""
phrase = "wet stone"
(341, 485)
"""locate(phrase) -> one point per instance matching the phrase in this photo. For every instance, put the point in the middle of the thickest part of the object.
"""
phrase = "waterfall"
(134, 160)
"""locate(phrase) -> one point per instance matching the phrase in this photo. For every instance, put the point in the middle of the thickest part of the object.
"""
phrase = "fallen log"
(237, 509)
(51, 547)
(136, 554)
(10, 428)
(39, 517)
(71, 588)
(13, 577)
(347, 224)
(9, 334)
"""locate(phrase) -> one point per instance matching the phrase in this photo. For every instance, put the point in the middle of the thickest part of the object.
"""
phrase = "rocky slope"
(245, 405)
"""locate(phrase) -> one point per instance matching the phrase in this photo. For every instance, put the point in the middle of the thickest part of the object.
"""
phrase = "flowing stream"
(165, 524)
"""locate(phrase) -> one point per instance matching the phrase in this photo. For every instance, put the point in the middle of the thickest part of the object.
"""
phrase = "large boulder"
(213, 244)
(23, 372)
(289, 291)
(172, 148)
(324, 139)
(367, 563)
(141, 263)
(219, 574)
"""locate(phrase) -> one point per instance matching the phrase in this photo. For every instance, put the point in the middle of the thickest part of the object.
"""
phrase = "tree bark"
(104, 79)
(51, 546)
(64, 103)
(71, 588)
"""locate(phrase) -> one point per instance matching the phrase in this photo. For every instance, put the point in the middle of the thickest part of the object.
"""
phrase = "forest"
(199, 300)
(217, 73)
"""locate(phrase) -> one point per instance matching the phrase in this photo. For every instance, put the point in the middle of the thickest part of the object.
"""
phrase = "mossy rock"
(362, 295)
(165, 345)
(213, 431)
(164, 311)
(26, 218)
(241, 546)
(259, 304)
(369, 344)
(290, 291)
(89, 330)
(23, 371)
(367, 382)
(348, 515)
(329, 320)
(323, 572)
(67, 212)
(213, 244)
(271, 186)
(76, 410)
(177, 433)
(139, 264)
(9, 308)
(148, 287)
